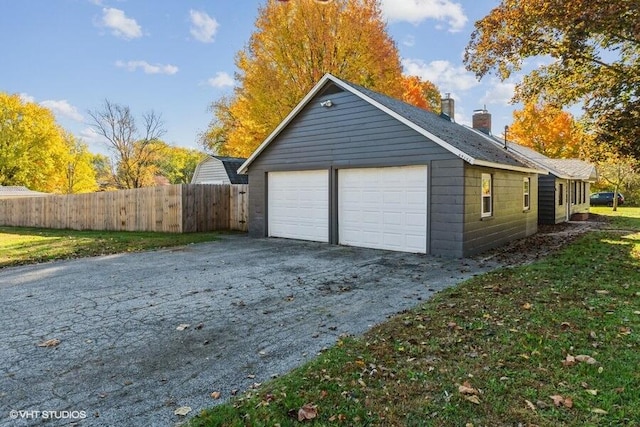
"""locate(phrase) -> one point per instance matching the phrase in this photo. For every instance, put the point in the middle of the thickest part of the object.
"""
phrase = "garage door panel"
(384, 208)
(298, 206)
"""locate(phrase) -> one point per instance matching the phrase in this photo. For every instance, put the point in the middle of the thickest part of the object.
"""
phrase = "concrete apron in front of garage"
(255, 308)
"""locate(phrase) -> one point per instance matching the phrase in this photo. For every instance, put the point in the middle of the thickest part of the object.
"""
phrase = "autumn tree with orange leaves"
(548, 130)
(294, 45)
(421, 93)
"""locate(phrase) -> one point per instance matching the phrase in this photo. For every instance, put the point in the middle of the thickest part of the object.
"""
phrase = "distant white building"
(219, 170)
(12, 192)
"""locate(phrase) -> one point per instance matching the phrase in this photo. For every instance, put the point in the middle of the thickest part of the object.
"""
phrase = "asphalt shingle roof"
(231, 166)
(465, 139)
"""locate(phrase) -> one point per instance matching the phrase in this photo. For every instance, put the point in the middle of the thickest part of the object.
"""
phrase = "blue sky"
(177, 56)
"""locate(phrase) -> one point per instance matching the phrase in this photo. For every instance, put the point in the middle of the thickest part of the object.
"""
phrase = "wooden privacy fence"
(182, 208)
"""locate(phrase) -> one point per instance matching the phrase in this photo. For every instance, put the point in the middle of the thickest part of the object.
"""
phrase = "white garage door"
(298, 206)
(383, 208)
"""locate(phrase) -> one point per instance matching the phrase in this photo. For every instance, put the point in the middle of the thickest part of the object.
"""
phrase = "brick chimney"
(448, 106)
(481, 120)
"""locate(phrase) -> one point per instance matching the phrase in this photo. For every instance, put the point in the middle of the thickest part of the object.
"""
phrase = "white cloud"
(416, 11)
(26, 97)
(147, 68)
(120, 24)
(499, 93)
(221, 80)
(203, 27)
(409, 41)
(443, 74)
(63, 108)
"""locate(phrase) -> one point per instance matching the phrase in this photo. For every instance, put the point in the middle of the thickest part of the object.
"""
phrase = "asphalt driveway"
(114, 348)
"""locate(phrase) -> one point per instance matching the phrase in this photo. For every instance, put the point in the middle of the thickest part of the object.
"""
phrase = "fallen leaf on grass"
(586, 359)
(559, 400)
(599, 411)
(466, 388)
(53, 342)
(307, 412)
(569, 360)
(182, 411)
(182, 326)
(592, 392)
(530, 405)
(526, 306)
(473, 399)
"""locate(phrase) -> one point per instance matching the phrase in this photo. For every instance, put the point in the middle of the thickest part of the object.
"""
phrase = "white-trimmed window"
(487, 195)
(560, 194)
(526, 194)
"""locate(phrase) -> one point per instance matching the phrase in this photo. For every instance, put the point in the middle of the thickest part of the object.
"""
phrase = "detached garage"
(353, 167)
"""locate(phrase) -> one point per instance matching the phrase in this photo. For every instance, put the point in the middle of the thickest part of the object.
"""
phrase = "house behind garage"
(354, 167)
(219, 170)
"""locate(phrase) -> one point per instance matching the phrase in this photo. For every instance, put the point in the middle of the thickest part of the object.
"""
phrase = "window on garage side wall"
(526, 194)
(487, 195)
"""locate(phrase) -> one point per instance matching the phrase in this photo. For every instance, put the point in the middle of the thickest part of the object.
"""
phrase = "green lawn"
(29, 245)
(553, 343)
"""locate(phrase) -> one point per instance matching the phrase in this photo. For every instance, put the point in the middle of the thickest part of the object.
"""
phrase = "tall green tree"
(294, 45)
(594, 48)
(33, 152)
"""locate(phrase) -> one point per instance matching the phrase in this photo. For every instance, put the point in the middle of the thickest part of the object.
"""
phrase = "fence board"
(239, 201)
(172, 208)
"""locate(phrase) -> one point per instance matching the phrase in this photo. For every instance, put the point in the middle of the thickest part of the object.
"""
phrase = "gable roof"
(574, 169)
(457, 139)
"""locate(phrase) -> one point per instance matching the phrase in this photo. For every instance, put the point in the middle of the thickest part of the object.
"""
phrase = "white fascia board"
(245, 166)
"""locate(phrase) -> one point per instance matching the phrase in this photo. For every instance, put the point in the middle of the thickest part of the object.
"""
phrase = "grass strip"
(19, 246)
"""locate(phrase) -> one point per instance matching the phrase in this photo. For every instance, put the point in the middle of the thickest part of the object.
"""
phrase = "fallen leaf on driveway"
(53, 342)
(307, 412)
(182, 326)
(216, 395)
(182, 411)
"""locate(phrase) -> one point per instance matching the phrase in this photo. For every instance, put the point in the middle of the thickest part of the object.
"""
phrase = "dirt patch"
(548, 239)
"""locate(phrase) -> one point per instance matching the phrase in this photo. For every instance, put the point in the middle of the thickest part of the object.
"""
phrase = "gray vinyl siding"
(508, 221)
(211, 171)
(352, 133)
(446, 207)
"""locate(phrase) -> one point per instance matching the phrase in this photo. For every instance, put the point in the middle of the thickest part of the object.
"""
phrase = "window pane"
(486, 205)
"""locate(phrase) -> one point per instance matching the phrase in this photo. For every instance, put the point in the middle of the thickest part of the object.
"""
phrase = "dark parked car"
(605, 199)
